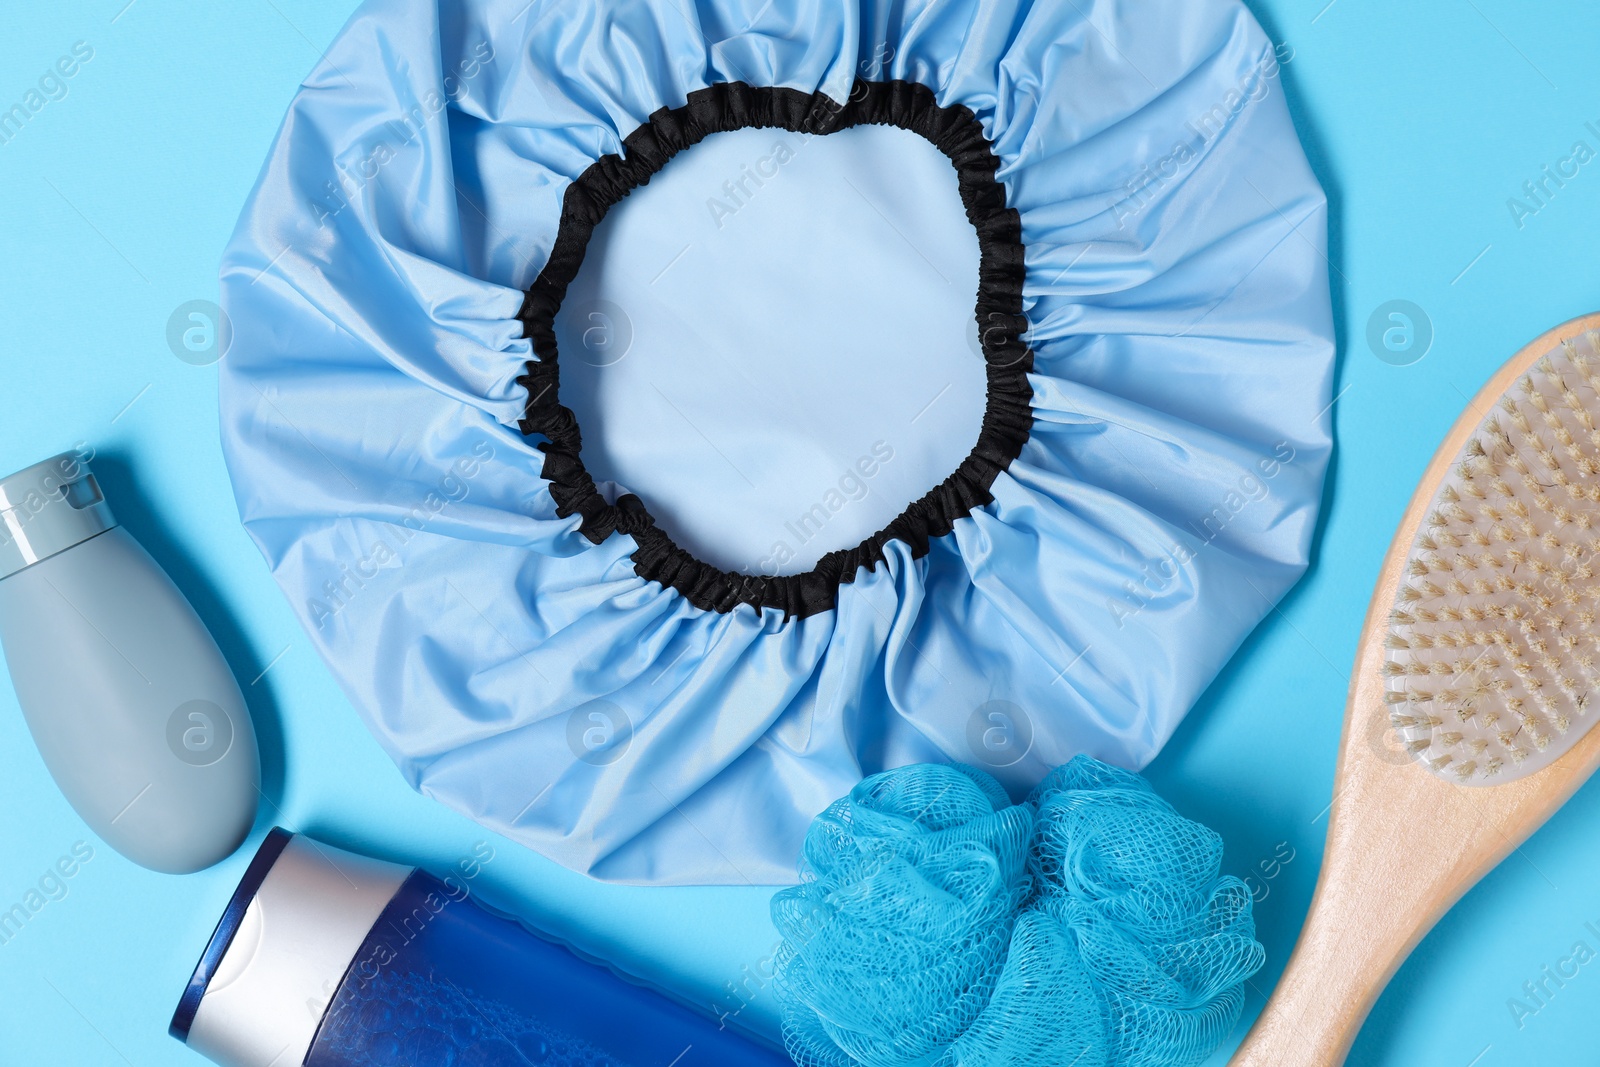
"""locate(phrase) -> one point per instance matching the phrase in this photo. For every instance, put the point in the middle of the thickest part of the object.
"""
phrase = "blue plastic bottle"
(328, 959)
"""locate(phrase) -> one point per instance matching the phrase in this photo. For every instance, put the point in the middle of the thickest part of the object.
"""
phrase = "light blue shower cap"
(553, 599)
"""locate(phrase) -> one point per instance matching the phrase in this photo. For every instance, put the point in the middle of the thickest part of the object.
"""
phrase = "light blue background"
(1420, 119)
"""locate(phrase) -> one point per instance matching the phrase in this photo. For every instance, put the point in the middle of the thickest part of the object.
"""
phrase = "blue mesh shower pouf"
(939, 925)
(955, 389)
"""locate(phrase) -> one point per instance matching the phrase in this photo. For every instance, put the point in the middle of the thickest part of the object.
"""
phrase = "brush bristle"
(1492, 652)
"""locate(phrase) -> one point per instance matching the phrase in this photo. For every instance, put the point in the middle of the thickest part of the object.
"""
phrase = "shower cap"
(522, 465)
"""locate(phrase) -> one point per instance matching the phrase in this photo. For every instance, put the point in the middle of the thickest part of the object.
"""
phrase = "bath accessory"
(937, 923)
(639, 659)
(1471, 707)
(131, 704)
(329, 959)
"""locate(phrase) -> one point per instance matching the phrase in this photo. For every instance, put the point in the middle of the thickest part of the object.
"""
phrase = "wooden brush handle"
(1402, 848)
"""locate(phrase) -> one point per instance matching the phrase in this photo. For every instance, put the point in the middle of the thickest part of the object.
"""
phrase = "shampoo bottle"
(324, 958)
(133, 708)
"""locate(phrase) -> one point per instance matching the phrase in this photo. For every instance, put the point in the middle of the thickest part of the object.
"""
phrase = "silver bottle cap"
(287, 938)
(47, 508)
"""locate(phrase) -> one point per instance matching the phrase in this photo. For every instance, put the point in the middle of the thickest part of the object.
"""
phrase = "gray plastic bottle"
(133, 708)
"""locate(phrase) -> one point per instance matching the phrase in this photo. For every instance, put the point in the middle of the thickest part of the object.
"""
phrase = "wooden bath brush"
(1476, 684)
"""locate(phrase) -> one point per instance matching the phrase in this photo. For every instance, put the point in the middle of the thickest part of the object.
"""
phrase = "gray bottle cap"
(47, 508)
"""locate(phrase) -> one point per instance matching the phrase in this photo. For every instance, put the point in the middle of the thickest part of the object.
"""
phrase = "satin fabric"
(1177, 293)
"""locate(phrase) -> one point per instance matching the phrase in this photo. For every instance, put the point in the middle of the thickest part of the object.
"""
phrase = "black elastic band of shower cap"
(1007, 417)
